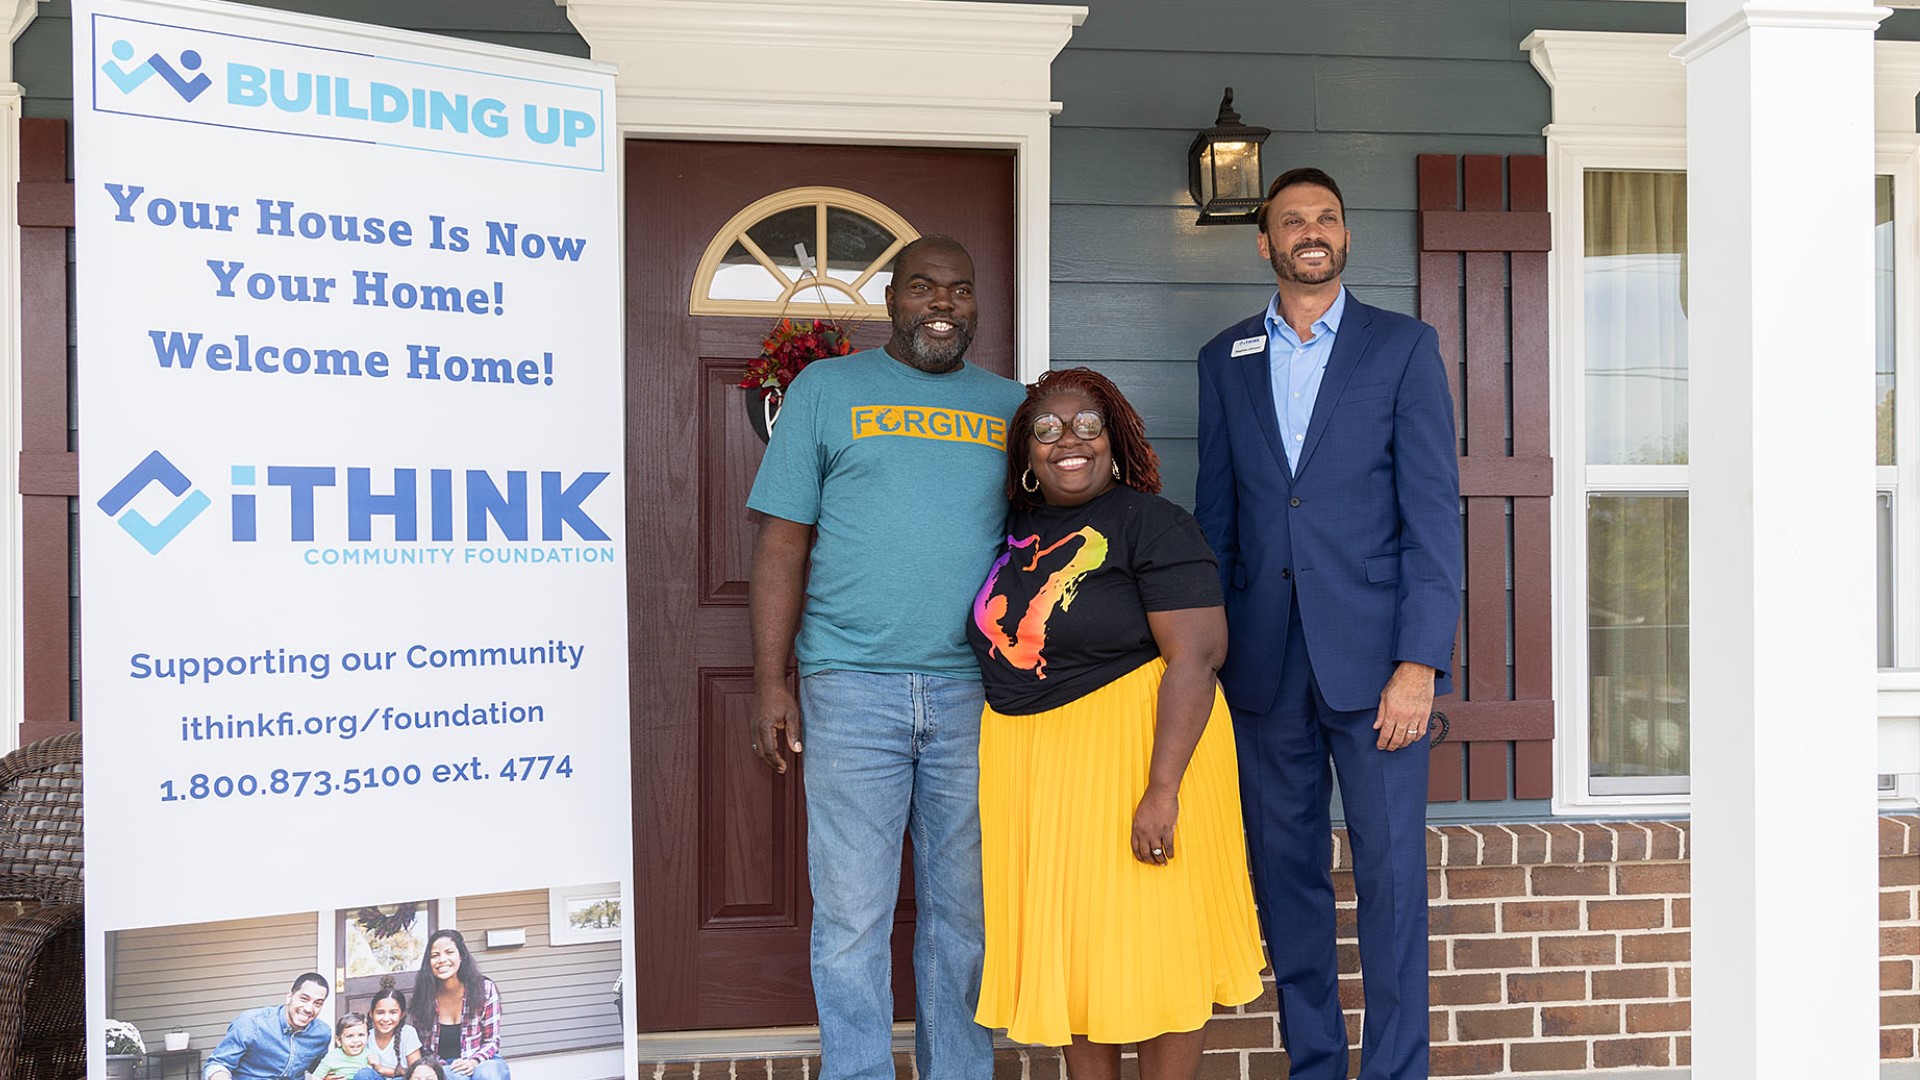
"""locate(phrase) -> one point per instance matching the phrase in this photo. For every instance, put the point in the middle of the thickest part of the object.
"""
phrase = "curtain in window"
(1636, 316)
(1883, 317)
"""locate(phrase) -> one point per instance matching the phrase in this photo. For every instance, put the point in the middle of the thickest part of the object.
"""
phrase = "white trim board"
(13, 581)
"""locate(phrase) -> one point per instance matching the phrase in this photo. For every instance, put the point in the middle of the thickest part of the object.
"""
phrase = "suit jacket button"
(1295, 501)
(1286, 573)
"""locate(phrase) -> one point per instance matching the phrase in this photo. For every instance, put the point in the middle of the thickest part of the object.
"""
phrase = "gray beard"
(934, 359)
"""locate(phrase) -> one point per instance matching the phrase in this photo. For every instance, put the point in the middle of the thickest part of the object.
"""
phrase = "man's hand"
(1405, 706)
(775, 712)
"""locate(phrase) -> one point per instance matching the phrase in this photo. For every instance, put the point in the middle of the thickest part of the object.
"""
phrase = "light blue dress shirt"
(260, 1046)
(1296, 368)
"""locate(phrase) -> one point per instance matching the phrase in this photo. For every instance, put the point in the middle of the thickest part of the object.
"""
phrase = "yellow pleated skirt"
(1082, 938)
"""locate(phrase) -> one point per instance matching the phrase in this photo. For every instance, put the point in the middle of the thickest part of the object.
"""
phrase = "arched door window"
(767, 259)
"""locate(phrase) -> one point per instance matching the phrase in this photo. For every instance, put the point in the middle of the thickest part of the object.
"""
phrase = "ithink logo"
(154, 469)
(470, 505)
(474, 505)
(128, 78)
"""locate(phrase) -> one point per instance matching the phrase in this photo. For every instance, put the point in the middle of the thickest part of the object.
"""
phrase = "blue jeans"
(886, 754)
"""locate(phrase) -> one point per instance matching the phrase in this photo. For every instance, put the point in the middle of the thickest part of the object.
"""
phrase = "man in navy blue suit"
(1329, 488)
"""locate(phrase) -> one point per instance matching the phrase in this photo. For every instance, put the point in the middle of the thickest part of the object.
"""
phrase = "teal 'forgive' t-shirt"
(904, 473)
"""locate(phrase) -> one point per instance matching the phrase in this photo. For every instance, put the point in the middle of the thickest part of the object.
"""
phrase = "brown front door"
(722, 910)
(372, 944)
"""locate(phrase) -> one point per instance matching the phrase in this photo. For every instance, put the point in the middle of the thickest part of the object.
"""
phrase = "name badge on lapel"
(1249, 345)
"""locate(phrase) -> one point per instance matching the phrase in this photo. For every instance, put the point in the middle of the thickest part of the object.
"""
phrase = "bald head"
(926, 245)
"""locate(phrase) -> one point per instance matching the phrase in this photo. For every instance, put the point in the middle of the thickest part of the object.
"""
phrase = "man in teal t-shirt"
(898, 457)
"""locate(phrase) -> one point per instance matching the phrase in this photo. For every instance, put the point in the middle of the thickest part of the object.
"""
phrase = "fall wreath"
(380, 924)
(790, 347)
(787, 349)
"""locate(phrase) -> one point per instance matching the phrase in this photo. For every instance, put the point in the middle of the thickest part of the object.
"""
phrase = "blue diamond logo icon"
(154, 535)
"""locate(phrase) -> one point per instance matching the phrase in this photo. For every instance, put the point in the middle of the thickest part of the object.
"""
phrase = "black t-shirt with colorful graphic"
(1063, 611)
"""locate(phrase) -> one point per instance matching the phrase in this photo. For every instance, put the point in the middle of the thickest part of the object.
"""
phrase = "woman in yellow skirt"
(1118, 906)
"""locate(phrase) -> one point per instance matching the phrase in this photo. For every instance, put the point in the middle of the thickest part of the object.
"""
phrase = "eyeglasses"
(1087, 426)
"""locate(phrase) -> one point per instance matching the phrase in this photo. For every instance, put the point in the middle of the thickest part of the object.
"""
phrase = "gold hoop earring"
(1116, 471)
(1028, 483)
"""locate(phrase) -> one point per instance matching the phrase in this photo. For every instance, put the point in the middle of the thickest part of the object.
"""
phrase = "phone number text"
(319, 783)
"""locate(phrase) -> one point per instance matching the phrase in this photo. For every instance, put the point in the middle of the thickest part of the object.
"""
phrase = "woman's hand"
(1153, 822)
(1193, 640)
(463, 1066)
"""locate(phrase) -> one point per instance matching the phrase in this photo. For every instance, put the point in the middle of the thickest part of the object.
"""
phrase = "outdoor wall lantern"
(1223, 168)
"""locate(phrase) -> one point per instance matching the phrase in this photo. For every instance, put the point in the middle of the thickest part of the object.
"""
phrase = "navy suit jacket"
(1364, 536)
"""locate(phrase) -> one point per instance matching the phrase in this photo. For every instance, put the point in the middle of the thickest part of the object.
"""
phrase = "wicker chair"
(43, 1018)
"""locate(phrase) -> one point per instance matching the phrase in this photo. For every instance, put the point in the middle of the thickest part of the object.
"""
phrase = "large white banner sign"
(354, 636)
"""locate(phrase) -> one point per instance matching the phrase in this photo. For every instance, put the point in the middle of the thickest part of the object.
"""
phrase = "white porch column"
(1780, 165)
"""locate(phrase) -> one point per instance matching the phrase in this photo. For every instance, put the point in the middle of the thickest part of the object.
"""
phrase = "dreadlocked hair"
(1126, 432)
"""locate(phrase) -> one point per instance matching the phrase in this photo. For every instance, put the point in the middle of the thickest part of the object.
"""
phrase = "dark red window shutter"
(1484, 237)
(49, 470)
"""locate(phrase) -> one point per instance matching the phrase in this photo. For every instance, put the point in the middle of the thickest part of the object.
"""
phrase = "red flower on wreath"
(790, 347)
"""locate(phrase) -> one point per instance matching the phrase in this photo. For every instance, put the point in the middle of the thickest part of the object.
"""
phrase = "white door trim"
(878, 72)
(13, 637)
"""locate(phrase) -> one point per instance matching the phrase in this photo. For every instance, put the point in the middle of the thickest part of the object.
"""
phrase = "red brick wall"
(1553, 947)
(1559, 947)
(1899, 937)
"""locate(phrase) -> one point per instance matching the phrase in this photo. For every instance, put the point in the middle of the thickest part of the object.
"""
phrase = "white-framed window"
(1897, 408)
(807, 252)
(1617, 192)
(1620, 424)
(577, 914)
